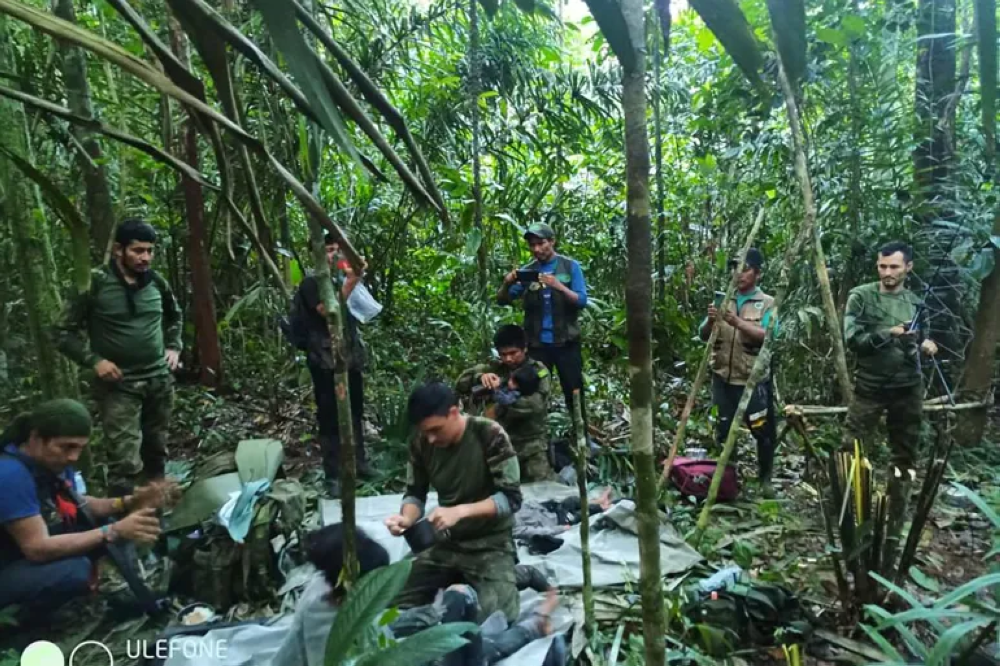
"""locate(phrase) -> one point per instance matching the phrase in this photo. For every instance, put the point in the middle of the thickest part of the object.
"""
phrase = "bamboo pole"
(699, 379)
(934, 405)
(760, 368)
(582, 450)
(809, 222)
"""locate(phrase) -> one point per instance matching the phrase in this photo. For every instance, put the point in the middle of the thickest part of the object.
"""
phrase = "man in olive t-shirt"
(471, 464)
(127, 329)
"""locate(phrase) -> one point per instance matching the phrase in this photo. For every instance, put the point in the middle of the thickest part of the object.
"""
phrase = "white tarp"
(614, 551)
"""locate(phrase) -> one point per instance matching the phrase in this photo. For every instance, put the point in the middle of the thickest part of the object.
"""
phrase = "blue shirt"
(19, 499)
(577, 285)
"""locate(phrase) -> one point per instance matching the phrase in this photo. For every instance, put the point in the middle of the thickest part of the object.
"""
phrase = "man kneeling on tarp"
(471, 464)
(47, 548)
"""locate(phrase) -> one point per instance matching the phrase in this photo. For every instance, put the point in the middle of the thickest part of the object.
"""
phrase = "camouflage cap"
(540, 230)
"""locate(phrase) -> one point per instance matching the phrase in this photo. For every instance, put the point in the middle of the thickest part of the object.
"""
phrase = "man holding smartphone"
(554, 291)
(742, 329)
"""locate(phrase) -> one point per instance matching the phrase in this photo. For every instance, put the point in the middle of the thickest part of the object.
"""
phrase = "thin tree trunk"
(22, 206)
(202, 287)
(334, 305)
(809, 220)
(854, 186)
(702, 374)
(582, 451)
(477, 184)
(981, 361)
(638, 309)
(763, 362)
(932, 161)
(98, 193)
(661, 281)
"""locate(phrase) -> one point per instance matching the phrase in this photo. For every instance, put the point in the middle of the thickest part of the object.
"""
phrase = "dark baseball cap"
(540, 230)
(754, 259)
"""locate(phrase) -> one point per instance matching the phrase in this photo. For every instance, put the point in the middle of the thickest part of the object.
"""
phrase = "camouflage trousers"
(489, 571)
(903, 408)
(534, 465)
(135, 416)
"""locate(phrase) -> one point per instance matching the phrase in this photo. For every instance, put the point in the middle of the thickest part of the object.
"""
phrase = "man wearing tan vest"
(742, 329)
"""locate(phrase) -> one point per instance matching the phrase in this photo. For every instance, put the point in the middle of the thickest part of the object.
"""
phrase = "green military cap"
(540, 230)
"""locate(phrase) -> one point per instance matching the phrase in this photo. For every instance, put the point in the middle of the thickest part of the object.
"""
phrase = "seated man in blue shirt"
(46, 556)
(552, 305)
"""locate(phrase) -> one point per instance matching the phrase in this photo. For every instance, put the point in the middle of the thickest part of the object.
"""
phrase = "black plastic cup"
(421, 536)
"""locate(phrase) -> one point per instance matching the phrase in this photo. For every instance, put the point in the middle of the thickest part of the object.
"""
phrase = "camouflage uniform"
(476, 552)
(132, 326)
(887, 375)
(525, 421)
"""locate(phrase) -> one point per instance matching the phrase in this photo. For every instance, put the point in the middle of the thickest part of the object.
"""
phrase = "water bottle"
(79, 483)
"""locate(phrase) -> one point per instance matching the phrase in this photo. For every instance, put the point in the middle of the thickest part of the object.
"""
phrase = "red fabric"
(66, 509)
(693, 477)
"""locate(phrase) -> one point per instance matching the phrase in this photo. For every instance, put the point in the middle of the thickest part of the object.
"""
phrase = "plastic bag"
(362, 304)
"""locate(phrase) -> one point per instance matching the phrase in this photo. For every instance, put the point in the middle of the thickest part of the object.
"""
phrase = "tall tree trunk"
(661, 281)
(856, 251)
(932, 161)
(477, 183)
(90, 160)
(981, 361)
(206, 331)
(22, 206)
(638, 309)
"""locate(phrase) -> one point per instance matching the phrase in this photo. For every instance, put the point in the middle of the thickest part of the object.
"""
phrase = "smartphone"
(719, 297)
(526, 277)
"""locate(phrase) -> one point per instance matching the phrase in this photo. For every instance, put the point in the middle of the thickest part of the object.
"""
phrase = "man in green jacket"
(886, 328)
(525, 420)
(471, 464)
(127, 329)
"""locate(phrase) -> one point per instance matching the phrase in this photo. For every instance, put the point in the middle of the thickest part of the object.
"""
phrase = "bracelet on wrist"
(108, 533)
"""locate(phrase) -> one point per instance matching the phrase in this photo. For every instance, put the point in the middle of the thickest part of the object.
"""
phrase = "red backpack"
(693, 478)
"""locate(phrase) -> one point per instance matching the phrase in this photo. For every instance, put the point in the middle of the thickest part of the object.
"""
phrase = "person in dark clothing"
(46, 556)
(323, 365)
(551, 310)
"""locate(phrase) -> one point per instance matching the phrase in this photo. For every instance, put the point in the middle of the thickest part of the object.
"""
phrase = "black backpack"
(294, 325)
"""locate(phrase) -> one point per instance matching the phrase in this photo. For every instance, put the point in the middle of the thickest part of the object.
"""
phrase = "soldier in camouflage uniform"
(886, 328)
(127, 329)
(471, 464)
(526, 419)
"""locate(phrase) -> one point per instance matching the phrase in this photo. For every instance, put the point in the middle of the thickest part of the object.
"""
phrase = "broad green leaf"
(882, 643)
(967, 589)
(609, 17)
(923, 580)
(726, 21)
(305, 68)
(788, 19)
(369, 597)
(473, 242)
(912, 642)
(706, 39)
(832, 36)
(932, 614)
(905, 596)
(947, 644)
(423, 647)
(973, 496)
(853, 25)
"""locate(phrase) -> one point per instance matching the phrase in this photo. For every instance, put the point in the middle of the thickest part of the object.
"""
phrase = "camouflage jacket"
(526, 420)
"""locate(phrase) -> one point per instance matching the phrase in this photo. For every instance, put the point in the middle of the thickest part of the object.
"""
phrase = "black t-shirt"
(319, 332)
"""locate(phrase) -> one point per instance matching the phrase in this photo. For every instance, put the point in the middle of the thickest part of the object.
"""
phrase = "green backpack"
(745, 614)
